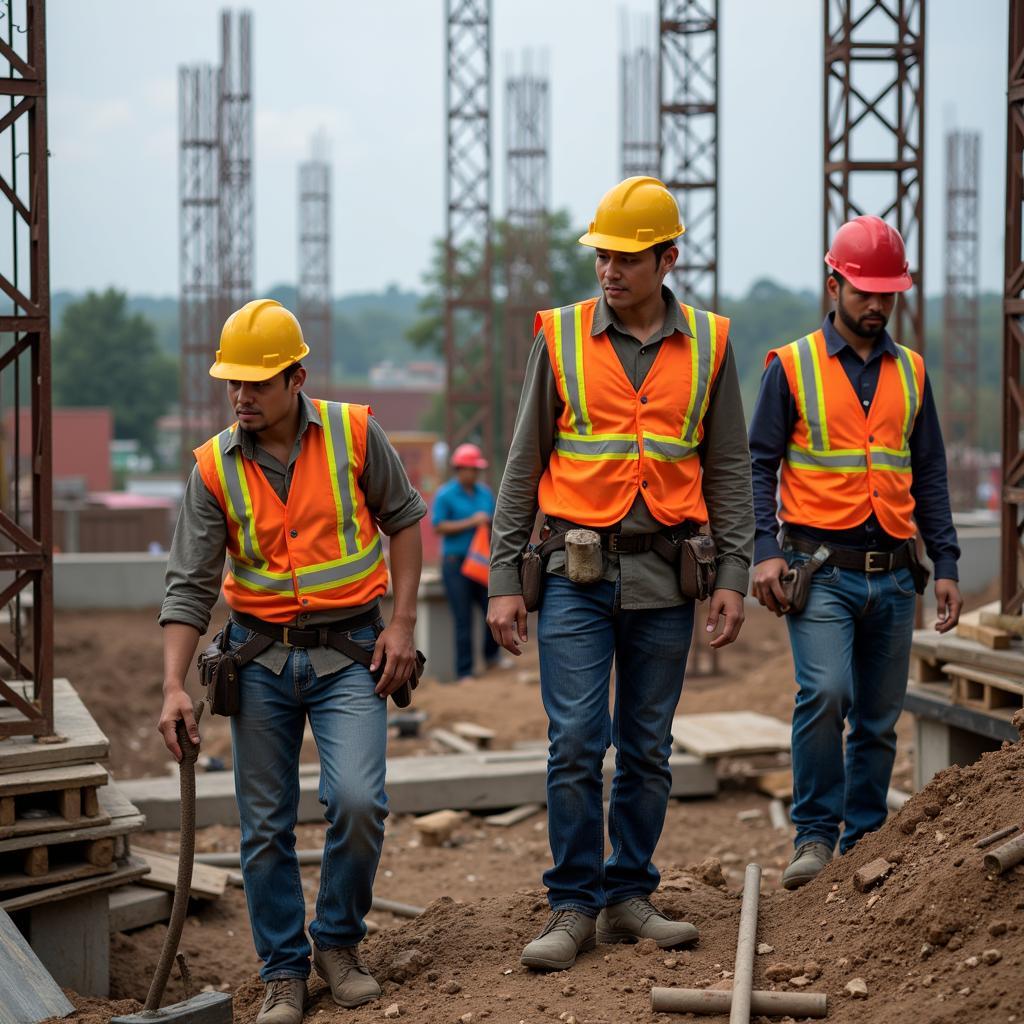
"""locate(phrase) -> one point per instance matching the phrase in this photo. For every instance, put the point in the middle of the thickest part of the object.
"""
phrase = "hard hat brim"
(470, 464)
(875, 285)
(596, 240)
(245, 371)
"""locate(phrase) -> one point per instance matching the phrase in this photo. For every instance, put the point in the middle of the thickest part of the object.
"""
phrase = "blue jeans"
(349, 723)
(463, 593)
(581, 631)
(851, 651)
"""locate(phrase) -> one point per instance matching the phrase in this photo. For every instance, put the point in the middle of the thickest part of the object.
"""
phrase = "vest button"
(871, 439)
(305, 600)
(643, 484)
(293, 533)
(876, 494)
(643, 399)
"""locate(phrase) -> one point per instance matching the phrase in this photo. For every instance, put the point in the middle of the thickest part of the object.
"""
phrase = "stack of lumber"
(63, 826)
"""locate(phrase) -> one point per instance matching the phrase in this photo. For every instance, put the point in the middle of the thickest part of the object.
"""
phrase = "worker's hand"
(767, 587)
(480, 518)
(177, 707)
(506, 617)
(397, 649)
(948, 603)
(726, 605)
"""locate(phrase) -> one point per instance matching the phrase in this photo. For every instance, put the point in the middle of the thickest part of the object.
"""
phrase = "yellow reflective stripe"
(819, 388)
(332, 465)
(712, 356)
(694, 368)
(351, 477)
(581, 382)
(911, 399)
(235, 489)
(340, 571)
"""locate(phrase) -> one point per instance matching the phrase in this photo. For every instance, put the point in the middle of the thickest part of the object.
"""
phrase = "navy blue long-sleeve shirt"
(771, 428)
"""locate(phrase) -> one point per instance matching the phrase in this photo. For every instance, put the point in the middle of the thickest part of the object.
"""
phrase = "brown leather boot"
(284, 1002)
(350, 979)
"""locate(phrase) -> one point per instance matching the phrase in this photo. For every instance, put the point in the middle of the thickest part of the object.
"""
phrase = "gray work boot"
(284, 1002)
(350, 979)
(637, 918)
(567, 933)
(807, 862)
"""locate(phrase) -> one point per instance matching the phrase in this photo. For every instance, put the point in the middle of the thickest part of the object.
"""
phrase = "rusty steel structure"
(873, 107)
(26, 509)
(314, 279)
(960, 336)
(468, 305)
(688, 139)
(527, 204)
(638, 109)
(1011, 576)
(199, 312)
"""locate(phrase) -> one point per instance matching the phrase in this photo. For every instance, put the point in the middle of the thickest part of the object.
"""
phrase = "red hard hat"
(468, 456)
(870, 255)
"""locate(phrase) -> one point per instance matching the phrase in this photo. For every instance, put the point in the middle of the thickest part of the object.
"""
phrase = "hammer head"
(205, 1008)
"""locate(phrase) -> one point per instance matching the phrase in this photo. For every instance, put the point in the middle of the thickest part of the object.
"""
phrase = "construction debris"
(730, 733)
(871, 874)
(481, 736)
(437, 828)
(514, 816)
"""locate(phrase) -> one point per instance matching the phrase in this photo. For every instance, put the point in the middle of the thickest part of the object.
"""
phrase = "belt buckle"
(284, 637)
(613, 542)
(869, 564)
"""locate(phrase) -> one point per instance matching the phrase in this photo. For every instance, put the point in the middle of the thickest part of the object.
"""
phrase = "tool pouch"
(698, 567)
(218, 672)
(917, 570)
(403, 695)
(796, 583)
(531, 577)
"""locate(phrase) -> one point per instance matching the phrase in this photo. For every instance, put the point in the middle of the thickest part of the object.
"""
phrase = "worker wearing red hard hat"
(848, 415)
(462, 515)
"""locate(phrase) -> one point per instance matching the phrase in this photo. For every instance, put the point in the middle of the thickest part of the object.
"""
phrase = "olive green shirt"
(195, 564)
(647, 580)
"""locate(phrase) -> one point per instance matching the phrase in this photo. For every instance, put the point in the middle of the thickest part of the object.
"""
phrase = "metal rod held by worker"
(712, 1000)
(743, 978)
(1004, 857)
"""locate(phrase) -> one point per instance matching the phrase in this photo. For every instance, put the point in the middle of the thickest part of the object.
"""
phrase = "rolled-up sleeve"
(390, 497)
(195, 564)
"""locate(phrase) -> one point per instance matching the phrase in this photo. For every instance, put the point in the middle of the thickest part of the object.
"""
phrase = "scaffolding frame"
(638, 111)
(314, 287)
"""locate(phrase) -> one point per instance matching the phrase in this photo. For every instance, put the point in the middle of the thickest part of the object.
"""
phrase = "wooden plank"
(514, 816)
(478, 734)
(78, 833)
(83, 739)
(996, 639)
(100, 852)
(128, 871)
(453, 742)
(49, 823)
(208, 883)
(956, 648)
(27, 991)
(978, 675)
(44, 780)
(90, 802)
(71, 804)
(67, 872)
(1009, 623)
(7, 811)
(730, 733)
(136, 906)
(36, 861)
(777, 784)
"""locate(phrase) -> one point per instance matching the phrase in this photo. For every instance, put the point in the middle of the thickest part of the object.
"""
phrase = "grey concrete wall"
(119, 580)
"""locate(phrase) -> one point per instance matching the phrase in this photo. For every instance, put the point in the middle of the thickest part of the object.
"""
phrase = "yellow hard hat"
(634, 215)
(258, 341)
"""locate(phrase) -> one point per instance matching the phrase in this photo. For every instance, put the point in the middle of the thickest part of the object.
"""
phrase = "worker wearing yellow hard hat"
(630, 438)
(296, 493)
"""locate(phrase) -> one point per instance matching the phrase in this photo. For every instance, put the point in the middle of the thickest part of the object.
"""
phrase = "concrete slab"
(72, 939)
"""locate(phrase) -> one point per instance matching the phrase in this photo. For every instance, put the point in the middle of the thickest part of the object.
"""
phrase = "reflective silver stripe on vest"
(912, 397)
(885, 459)
(596, 446)
(567, 344)
(262, 580)
(702, 322)
(336, 574)
(667, 451)
(841, 461)
(232, 466)
(341, 466)
(814, 415)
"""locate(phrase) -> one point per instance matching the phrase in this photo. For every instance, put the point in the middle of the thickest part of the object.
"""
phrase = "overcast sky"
(372, 76)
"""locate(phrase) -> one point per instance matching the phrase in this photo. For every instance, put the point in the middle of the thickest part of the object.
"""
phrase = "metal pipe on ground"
(743, 978)
(1004, 857)
(230, 859)
(995, 837)
(766, 1004)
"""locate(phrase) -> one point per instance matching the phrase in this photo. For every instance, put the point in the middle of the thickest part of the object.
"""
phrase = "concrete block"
(72, 939)
(205, 1008)
(937, 745)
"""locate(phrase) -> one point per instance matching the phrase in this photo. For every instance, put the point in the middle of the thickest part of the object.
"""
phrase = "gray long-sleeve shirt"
(647, 580)
(195, 565)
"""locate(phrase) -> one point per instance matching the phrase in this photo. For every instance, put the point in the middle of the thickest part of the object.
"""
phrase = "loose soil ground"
(484, 897)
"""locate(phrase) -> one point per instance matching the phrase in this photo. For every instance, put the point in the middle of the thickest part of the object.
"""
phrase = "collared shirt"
(771, 427)
(195, 564)
(646, 579)
(453, 503)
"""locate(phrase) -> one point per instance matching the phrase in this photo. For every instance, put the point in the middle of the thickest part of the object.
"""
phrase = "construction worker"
(294, 494)
(461, 507)
(848, 414)
(631, 426)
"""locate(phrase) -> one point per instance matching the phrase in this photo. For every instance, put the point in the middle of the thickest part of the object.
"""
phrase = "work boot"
(807, 862)
(284, 1002)
(637, 918)
(350, 979)
(567, 933)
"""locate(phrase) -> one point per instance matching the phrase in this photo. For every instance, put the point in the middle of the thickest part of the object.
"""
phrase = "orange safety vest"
(321, 549)
(613, 441)
(476, 564)
(841, 465)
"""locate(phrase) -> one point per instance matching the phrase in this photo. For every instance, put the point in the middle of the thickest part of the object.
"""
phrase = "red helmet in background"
(870, 255)
(468, 456)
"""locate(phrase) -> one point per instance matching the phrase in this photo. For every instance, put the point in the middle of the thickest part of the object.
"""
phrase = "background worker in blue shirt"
(460, 506)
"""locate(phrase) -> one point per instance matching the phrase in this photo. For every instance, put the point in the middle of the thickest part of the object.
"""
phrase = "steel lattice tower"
(315, 269)
(638, 110)
(527, 202)
(199, 309)
(1012, 584)
(874, 131)
(26, 503)
(960, 313)
(235, 124)
(688, 139)
(468, 309)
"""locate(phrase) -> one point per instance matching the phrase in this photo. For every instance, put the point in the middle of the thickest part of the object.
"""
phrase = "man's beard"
(857, 327)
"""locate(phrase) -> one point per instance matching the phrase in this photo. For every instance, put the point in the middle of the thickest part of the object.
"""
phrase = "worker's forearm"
(180, 642)
(406, 564)
(450, 526)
